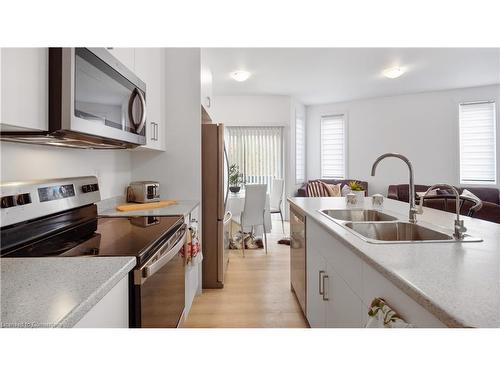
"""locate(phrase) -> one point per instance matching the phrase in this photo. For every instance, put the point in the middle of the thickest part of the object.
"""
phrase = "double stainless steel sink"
(378, 227)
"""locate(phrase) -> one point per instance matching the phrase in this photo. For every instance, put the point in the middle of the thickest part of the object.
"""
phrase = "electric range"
(58, 218)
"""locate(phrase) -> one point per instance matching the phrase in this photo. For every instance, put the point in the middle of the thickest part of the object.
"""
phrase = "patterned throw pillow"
(333, 190)
(316, 189)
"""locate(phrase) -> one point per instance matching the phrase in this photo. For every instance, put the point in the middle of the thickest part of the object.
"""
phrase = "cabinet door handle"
(320, 282)
(157, 131)
(152, 131)
(325, 290)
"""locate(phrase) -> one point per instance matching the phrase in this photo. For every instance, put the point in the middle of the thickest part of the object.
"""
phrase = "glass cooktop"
(107, 236)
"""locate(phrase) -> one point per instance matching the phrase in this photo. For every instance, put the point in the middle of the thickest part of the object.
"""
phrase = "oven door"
(101, 97)
(159, 291)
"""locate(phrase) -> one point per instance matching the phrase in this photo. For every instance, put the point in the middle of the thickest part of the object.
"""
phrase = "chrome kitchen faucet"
(413, 208)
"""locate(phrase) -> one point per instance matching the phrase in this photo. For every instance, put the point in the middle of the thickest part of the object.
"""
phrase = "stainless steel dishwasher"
(298, 256)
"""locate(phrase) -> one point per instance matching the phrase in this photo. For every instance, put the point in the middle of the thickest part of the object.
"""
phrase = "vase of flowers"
(357, 188)
(235, 178)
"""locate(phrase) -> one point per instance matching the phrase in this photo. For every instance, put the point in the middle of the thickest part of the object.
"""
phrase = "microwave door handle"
(138, 127)
(150, 270)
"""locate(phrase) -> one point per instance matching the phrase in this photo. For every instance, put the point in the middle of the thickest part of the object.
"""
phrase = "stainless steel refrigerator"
(216, 222)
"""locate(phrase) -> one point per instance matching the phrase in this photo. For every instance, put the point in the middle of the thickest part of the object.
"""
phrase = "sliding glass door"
(257, 151)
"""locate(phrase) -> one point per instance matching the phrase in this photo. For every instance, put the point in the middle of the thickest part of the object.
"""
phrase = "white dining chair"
(276, 199)
(254, 209)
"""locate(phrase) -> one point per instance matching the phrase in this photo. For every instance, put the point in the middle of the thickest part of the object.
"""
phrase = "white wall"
(21, 162)
(251, 110)
(178, 169)
(424, 127)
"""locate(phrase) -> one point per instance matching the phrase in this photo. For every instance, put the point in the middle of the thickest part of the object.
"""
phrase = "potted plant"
(235, 178)
(357, 189)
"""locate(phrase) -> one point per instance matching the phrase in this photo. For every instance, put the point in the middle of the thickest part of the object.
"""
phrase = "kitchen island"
(65, 292)
(454, 284)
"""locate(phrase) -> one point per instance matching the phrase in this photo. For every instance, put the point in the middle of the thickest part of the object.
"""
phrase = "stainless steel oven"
(159, 286)
(94, 102)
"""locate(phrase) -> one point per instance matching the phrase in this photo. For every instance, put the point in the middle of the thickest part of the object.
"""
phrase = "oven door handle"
(139, 126)
(151, 269)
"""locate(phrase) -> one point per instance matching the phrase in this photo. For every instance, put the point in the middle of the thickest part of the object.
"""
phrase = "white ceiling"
(322, 75)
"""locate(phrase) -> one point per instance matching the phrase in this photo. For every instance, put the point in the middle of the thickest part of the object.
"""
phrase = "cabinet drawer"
(375, 285)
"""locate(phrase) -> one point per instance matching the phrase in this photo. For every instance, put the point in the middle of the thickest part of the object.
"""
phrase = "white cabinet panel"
(206, 92)
(375, 285)
(112, 311)
(344, 308)
(316, 266)
(350, 286)
(347, 264)
(125, 55)
(149, 66)
(24, 88)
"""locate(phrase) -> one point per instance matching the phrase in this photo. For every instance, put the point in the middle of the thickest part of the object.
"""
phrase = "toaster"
(143, 192)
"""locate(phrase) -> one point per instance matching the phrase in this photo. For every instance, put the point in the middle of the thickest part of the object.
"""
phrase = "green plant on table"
(355, 186)
(235, 177)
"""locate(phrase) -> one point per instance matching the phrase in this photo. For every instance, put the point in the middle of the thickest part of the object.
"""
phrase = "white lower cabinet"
(315, 304)
(330, 301)
(344, 309)
(341, 286)
(112, 311)
(193, 271)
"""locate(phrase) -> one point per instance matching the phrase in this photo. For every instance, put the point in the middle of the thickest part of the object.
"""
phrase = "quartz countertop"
(56, 292)
(459, 283)
(107, 207)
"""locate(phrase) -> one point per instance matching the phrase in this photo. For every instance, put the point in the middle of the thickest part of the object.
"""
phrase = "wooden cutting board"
(145, 206)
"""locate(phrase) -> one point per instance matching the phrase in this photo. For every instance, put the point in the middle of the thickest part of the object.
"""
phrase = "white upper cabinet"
(125, 55)
(206, 92)
(149, 66)
(24, 89)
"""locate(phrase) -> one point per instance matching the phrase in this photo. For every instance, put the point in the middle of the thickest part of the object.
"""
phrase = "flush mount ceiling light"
(240, 75)
(394, 72)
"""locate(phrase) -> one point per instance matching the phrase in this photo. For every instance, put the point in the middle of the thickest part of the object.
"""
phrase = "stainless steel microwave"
(94, 102)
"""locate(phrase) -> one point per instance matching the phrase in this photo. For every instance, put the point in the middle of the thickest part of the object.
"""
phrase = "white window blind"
(258, 151)
(333, 147)
(477, 143)
(300, 151)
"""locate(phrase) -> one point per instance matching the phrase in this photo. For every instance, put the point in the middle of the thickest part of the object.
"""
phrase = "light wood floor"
(256, 293)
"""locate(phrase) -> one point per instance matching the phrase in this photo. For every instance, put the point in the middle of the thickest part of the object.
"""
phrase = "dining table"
(236, 203)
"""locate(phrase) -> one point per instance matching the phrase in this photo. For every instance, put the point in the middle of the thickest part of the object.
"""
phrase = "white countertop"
(56, 292)
(183, 207)
(457, 282)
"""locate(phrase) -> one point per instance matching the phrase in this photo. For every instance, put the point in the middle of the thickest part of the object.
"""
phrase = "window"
(477, 143)
(300, 151)
(333, 149)
(258, 151)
